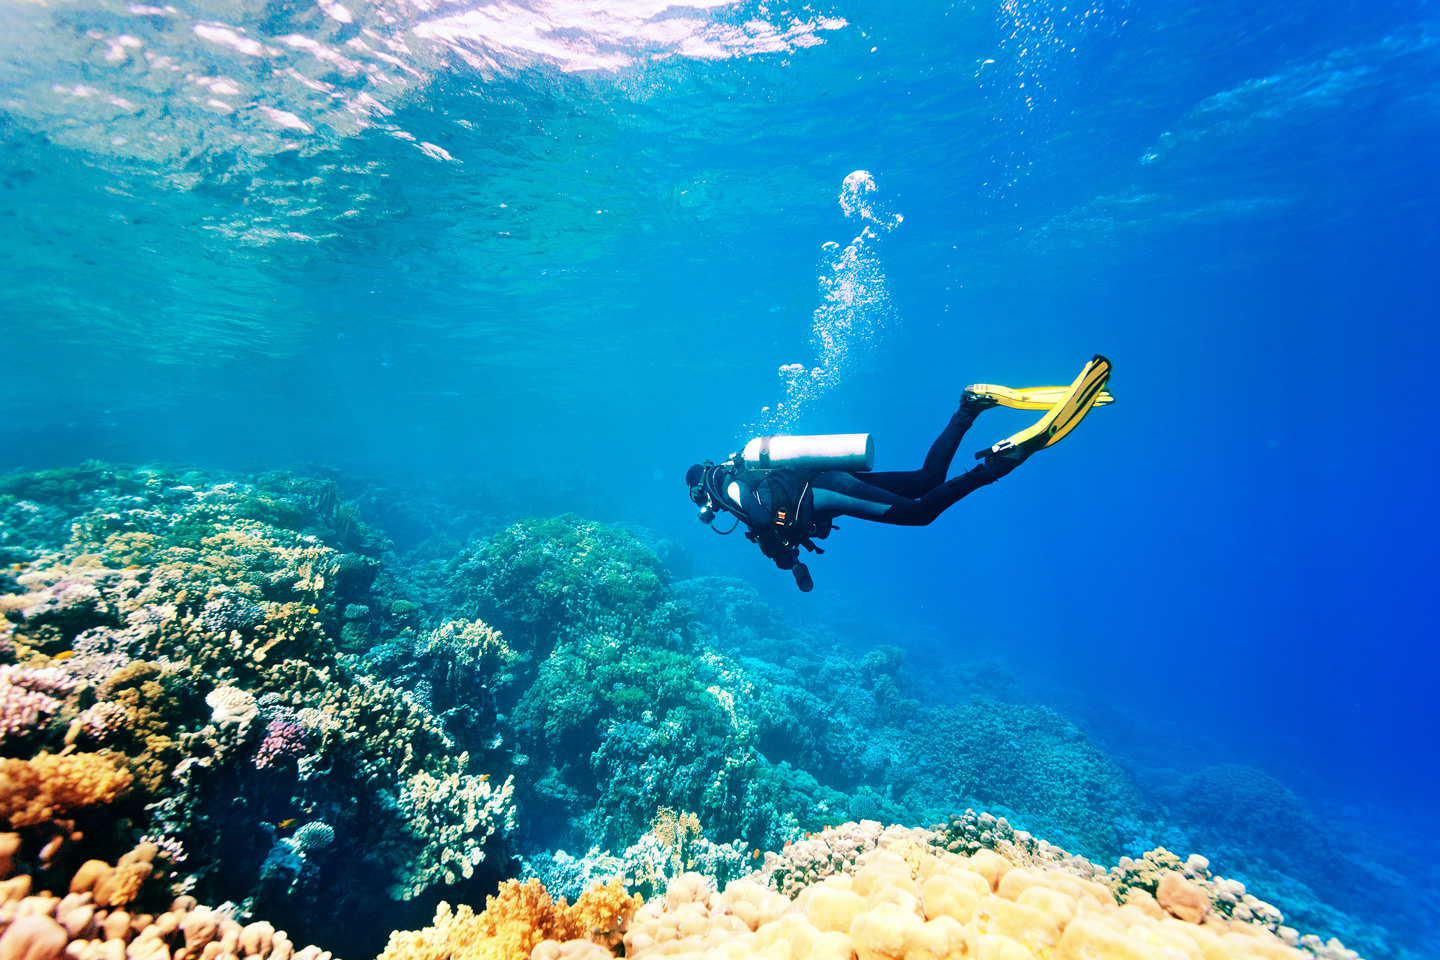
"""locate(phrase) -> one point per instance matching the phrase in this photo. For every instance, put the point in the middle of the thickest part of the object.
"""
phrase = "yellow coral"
(677, 833)
(603, 913)
(515, 920)
(48, 786)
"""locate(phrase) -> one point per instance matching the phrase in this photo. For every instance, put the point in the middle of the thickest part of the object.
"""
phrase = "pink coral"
(283, 739)
(27, 695)
(49, 680)
(103, 720)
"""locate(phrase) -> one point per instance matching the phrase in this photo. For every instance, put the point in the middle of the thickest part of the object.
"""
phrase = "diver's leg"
(845, 494)
(917, 483)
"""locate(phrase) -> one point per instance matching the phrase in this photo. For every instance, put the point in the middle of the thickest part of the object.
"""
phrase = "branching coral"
(453, 816)
(676, 845)
(514, 921)
(47, 786)
(120, 885)
(284, 741)
(27, 696)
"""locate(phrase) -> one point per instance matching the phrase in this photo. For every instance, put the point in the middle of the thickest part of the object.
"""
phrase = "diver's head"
(695, 479)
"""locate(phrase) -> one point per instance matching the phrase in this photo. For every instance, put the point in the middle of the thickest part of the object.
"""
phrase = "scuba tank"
(853, 452)
(778, 470)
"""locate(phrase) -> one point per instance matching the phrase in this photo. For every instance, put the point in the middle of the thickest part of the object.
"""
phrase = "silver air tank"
(853, 452)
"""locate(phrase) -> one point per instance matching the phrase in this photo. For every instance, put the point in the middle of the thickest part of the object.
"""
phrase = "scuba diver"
(787, 491)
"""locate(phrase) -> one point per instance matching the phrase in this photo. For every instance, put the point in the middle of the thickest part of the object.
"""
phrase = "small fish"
(63, 655)
(17, 566)
(287, 824)
(755, 855)
(484, 777)
(314, 610)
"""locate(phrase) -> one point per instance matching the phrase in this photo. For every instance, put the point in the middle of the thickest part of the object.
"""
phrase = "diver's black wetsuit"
(785, 509)
(909, 497)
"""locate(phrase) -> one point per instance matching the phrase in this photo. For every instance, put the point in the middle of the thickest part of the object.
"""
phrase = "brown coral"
(1181, 898)
(48, 786)
(118, 885)
(9, 847)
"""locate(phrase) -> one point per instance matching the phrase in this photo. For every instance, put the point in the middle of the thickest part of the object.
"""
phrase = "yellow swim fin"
(1064, 415)
(1026, 398)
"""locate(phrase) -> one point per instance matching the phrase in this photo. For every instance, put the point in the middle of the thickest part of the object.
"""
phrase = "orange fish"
(484, 777)
(755, 855)
(63, 655)
(287, 824)
(314, 610)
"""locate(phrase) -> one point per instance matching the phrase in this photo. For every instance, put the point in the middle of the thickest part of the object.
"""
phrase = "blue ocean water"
(545, 255)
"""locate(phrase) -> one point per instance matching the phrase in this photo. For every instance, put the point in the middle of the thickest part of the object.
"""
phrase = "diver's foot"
(974, 400)
(999, 464)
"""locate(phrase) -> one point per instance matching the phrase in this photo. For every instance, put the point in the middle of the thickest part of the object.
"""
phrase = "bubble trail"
(854, 312)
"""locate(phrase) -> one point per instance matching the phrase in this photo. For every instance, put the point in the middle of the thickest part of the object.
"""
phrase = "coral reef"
(116, 912)
(881, 894)
(294, 722)
(631, 695)
(180, 661)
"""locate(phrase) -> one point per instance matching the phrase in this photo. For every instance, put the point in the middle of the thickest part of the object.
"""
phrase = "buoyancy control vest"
(767, 486)
(786, 515)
